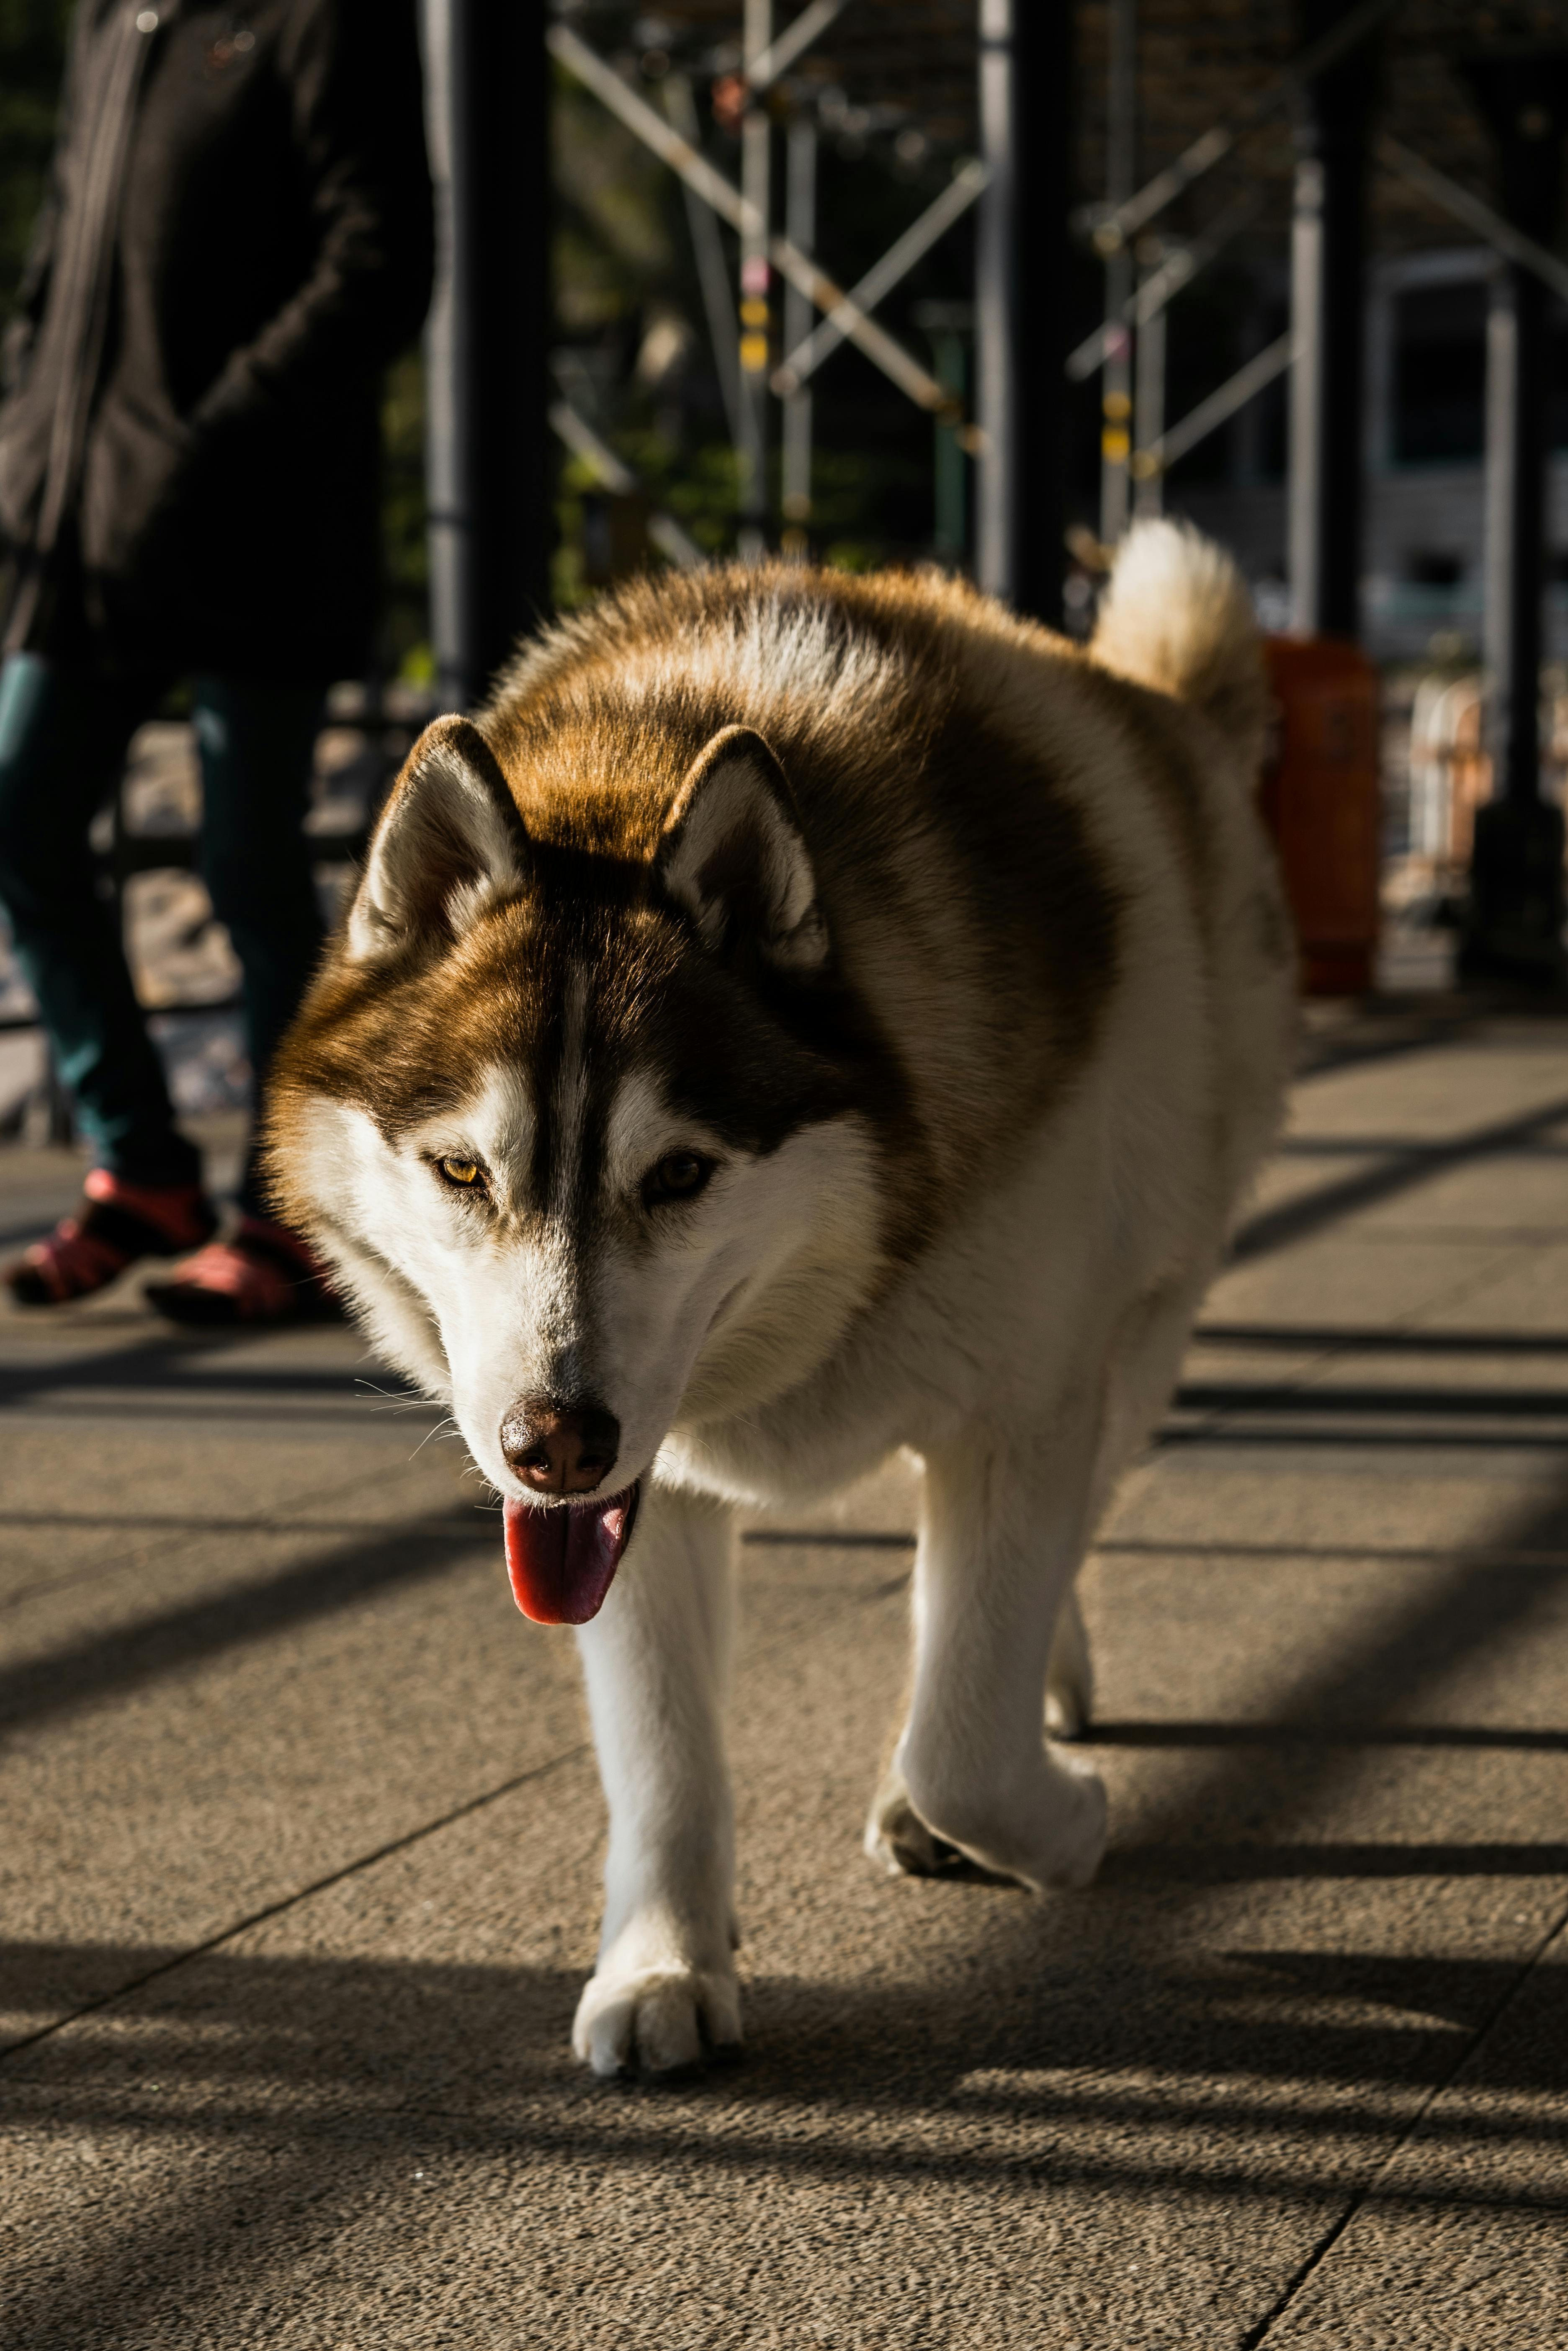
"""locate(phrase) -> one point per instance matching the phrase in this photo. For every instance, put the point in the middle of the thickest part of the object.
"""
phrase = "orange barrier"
(1320, 801)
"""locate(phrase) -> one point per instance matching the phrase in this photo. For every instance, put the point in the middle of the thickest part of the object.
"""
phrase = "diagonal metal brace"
(1162, 285)
(1121, 226)
(1488, 225)
(793, 41)
(969, 182)
(1219, 407)
(723, 197)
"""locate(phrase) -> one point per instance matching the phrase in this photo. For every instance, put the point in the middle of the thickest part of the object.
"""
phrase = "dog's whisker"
(447, 1427)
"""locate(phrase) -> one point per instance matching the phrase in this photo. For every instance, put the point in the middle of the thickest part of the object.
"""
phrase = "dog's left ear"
(450, 841)
(732, 854)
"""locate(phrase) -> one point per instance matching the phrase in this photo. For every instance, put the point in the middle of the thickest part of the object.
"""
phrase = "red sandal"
(116, 1224)
(264, 1275)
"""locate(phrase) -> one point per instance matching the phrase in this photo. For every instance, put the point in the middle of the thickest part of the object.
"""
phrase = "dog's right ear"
(450, 841)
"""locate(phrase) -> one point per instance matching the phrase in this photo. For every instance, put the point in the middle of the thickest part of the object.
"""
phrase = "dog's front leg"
(1004, 1521)
(656, 1661)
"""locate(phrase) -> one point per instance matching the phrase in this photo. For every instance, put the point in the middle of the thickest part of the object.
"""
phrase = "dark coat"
(237, 240)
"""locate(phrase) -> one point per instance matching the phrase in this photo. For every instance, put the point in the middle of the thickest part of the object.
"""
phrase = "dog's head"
(577, 1114)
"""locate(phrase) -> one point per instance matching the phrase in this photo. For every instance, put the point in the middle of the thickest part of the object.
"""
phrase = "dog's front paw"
(656, 2019)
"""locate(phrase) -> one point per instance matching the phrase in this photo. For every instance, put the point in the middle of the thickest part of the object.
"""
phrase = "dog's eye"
(464, 1173)
(679, 1175)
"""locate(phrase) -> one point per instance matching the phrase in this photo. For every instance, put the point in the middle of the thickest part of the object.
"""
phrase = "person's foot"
(116, 1224)
(262, 1274)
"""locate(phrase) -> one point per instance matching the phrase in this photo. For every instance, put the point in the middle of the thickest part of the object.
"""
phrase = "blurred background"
(1284, 269)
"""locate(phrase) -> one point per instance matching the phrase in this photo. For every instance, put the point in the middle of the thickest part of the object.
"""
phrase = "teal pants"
(63, 737)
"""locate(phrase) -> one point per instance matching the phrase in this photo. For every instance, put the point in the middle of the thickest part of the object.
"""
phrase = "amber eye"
(464, 1173)
(679, 1175)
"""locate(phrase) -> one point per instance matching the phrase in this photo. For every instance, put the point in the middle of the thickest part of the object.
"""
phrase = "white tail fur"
(1177, 616)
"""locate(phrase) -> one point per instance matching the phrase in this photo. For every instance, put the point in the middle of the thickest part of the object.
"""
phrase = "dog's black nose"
(559, 1449)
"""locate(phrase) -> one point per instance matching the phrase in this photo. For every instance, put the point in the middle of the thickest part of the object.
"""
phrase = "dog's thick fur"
(953, 959)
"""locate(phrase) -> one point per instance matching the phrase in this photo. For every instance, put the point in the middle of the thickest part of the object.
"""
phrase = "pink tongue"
(561, 1562)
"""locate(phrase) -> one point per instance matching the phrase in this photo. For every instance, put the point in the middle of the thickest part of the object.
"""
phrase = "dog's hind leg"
(655, 1660)
(1069, 1676)
(1005, 1519)
(1144, 1365)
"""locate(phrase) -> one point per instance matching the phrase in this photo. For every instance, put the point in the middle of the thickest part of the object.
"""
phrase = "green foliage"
(405, 567)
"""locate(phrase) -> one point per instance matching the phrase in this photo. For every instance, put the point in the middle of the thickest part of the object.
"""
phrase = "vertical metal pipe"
(713, 270)
(488, 445)
(446, 370)
(1121, 168)
(1149, 410)
(1514, 920)
(800, 227)
(1524, 98)
(1305, 483)
(1513, 535)
(756, 311)
(1022, 264)
(996, 298)
(1328, 272)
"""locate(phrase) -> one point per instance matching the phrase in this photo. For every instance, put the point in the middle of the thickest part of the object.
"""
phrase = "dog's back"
(1011, 837)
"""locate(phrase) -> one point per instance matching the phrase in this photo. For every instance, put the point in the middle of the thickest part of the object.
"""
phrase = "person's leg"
(256, 742)
(63, 734)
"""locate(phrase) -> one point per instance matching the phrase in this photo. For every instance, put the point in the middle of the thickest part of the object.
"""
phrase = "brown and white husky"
(802, 1017)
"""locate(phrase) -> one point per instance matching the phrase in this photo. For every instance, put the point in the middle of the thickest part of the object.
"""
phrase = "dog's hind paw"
(1057, 1840)
(898, 1840)
(656, 2019)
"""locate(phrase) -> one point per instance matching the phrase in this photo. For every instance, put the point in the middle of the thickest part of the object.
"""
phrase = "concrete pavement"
(301, 1835)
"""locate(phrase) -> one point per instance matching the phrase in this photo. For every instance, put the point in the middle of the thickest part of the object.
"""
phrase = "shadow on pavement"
(1407, 1167)
(337, 1576)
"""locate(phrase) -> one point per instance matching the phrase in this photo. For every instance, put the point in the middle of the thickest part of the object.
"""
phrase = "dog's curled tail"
(1177, 616)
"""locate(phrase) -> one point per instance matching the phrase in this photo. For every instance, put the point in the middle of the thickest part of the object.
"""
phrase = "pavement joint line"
(301, 1893)
(1362, 2195)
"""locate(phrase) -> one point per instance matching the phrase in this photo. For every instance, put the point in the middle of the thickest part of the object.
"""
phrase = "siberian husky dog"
(801, 1017)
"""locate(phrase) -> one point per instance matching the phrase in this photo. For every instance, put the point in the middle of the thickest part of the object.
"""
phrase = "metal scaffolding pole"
(489, 447)
(1328, 270)
(1121, 177)
(1021, 264)
(1149, 406)
(1516, 912)
(713, 270)
(756, 311)
(801, 228)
